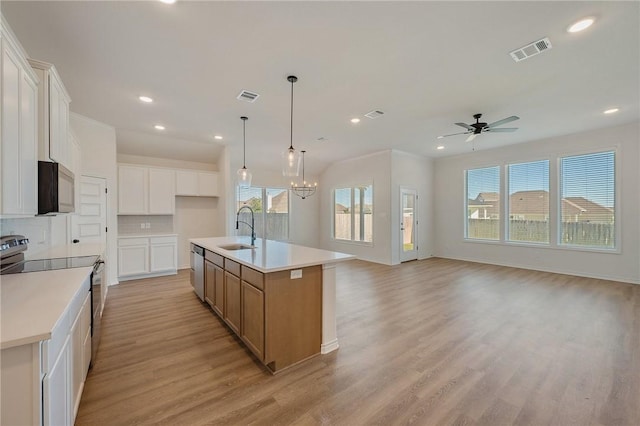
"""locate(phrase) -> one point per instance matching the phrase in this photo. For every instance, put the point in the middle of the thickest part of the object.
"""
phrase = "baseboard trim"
(325, 348)
(140, 276)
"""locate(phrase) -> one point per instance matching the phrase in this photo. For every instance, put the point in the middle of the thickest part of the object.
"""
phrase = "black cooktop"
(49, 264)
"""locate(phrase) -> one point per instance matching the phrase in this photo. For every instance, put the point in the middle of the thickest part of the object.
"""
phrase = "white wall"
(449, 207)
(98, 150)
(369, 169)
(43, 232)
(412, 172)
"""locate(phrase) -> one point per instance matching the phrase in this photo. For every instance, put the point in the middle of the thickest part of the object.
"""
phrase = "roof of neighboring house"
(529, 202)
(341, 208)
(589, 207)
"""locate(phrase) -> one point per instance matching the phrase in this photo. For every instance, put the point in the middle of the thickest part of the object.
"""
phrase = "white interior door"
(89, 224)
(408, 225)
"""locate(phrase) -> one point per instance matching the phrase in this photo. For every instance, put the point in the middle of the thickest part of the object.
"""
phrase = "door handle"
(76, 241)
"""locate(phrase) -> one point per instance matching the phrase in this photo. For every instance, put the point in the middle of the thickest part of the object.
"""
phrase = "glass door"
(408, 225)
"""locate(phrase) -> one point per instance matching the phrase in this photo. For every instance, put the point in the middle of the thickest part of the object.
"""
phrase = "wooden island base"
(278, 317)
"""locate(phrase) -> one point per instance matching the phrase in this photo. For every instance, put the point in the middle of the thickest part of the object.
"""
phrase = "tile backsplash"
(43, 232)
(145, 225)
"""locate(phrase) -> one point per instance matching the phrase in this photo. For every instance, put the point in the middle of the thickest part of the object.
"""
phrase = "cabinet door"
(253, 319)
(186, 183)
(29, 145)
(232, 301)
(162, 191)
(208, 184)
(163, 257)
(55, 137)
(11, 203)
(55, 391)
(76, 356)
(63, 127)
(133, 260)
(218, 300)
(132, 190)
(209, 283)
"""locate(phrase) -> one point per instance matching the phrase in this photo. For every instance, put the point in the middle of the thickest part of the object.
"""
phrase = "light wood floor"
(427, 342)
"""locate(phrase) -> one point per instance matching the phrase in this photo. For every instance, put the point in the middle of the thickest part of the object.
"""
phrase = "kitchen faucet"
(252, 225)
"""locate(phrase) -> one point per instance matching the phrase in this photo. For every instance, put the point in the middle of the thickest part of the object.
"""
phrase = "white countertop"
(32, 303)
(67, 250)
(146, 235)
(271, 256)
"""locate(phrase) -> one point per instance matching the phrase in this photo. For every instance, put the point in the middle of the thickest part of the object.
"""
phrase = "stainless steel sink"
(237, 246)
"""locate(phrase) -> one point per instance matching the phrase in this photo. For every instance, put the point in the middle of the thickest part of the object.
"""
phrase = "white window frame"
(351, 209)
(264, 210)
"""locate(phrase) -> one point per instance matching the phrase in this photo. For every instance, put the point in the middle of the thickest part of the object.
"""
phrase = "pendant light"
(244, 175)
(290, 158)
(306, 189)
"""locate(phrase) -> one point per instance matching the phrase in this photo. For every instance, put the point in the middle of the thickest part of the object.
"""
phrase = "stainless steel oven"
(97, 280)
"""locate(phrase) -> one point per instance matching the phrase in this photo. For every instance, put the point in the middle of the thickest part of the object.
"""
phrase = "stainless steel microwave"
(55, 188)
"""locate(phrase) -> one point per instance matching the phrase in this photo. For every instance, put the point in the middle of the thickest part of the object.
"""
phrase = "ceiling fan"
(476, 128)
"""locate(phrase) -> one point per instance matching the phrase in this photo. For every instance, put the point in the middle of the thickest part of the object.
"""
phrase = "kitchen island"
(279, 298)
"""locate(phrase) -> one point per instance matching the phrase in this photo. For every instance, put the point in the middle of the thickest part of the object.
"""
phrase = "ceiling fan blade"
(466, 126)
(471, 137)
(501, 129)
(453, 134)
(504, 121)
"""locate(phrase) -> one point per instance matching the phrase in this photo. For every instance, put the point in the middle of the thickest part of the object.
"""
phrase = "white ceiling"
(427, 65)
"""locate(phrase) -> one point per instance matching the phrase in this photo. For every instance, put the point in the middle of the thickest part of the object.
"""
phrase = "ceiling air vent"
(374, 114)
(531, 49)
(248, 96)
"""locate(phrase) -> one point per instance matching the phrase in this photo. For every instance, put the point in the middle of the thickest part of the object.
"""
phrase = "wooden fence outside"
(575, 233)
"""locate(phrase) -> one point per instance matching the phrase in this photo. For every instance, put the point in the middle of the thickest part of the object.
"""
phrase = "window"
(587, 200)
(529, 202)
(483, 203)
(353, 214)
(271, 212)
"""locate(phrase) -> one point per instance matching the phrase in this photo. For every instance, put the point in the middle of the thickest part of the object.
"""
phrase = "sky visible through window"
(344, 197)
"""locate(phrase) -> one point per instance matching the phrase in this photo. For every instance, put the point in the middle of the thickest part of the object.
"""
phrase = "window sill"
(545, 246)
(354, 243)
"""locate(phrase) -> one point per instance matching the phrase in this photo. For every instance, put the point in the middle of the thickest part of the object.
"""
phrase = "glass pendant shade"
(291, 160)
(244, 175)
(244, 178)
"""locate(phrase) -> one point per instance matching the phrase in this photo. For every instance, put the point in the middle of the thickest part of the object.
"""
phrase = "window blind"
(483, 203)
(529, 201)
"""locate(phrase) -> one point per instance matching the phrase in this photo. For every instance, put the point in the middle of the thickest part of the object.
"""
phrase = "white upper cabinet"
(197, 184)
(146, 190)
(53, 113)
(162, 191)
(19, 88)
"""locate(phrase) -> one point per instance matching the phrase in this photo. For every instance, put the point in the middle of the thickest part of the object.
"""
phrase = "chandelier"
(306, 189)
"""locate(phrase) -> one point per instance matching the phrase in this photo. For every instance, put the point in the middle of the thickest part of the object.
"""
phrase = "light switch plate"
(296, 274)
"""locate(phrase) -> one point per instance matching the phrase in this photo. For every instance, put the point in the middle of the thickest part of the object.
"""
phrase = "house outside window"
(271, 212)
(483, 203)
(353, 214)
(529, 202)
(587, 191)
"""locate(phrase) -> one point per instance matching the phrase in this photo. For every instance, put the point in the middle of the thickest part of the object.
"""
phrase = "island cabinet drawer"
(232, 267)
(214, 258)
(253, 277)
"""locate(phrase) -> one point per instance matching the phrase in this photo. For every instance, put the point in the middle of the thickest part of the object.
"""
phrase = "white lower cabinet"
(140, 257)
(42, 382)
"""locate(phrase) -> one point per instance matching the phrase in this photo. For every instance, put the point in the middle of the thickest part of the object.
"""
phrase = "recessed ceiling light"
(611, 111)
(355, 120)
(218, 137)
(145, 99)
(158, 127)
(582, 24)
(440, 147)
(168, 1)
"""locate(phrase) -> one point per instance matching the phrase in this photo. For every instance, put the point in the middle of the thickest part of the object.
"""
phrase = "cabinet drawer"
(126, 242)
(214, 258)
(232, 267)
(253, 277)
(163, 240)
